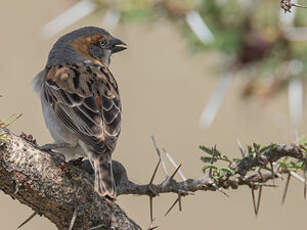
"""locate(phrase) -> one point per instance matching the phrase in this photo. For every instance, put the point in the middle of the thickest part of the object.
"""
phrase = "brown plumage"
(80, 99)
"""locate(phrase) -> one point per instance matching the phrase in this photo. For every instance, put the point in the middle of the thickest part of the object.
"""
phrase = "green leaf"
(250, 150)
(206, 150)
(216, 152)
(209, 167)
(302, 140)
(227, 171)
(208, 159)
(256, 147)
(296, 165)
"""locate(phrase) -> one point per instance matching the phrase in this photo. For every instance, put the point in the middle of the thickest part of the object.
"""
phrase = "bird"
(80, 101)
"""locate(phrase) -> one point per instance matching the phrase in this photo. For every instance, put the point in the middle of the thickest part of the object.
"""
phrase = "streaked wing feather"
(85, 97)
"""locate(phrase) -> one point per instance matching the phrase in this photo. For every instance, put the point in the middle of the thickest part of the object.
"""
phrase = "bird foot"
(49, 147)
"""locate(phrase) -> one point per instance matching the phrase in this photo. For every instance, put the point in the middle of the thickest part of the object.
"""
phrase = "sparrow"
(80, 100)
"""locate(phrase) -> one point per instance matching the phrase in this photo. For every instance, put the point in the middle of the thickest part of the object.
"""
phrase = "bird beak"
(117, 45)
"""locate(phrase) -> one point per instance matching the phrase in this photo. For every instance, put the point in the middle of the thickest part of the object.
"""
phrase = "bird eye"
(102, 43)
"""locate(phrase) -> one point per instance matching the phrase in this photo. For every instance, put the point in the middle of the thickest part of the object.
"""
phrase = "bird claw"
(48, 149)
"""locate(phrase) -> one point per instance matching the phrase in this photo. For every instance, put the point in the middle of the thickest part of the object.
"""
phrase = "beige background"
(164, 89)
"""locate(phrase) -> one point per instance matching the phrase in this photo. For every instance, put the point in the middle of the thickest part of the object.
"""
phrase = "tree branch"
(213, 184)
(53, 188)
(286, 5)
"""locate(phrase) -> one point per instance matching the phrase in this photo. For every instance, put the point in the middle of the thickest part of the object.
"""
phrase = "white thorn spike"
(295, 96)
(298, 177)
(111, 19)
(241, 148)
(160, 157)
(210, 111)
(199, 27)
(69, 17)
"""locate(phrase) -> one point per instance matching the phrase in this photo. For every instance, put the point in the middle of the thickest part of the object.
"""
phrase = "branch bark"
(213, 184)
(54, 188)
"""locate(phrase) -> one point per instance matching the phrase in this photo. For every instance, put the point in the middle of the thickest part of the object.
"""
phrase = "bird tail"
(104, 180)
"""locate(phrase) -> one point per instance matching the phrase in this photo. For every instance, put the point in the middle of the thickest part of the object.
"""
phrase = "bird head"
(87, 43)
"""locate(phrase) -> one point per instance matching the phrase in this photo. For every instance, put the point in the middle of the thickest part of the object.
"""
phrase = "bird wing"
(85, 97)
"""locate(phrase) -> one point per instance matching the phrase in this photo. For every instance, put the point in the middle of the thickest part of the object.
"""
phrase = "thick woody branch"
(55, 189)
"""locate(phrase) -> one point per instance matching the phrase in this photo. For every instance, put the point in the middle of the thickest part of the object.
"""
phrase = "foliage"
(254, 152)
(246, 32)
(6, 122)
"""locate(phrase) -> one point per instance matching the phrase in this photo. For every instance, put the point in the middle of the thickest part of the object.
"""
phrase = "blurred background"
(196, 72)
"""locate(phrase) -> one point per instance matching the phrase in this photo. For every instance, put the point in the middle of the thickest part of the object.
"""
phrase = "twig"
(286, 5)
(206, 183)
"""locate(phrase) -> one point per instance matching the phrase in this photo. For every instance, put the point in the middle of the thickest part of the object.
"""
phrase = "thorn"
(254, 201)
(151, 208)
(298, 177)
(286, 189)
(111, 19)
(167, 181)
(171, 159)
(151, 227)
(16, 188)
(76, 12)
(159, 155)
(180, 202)
(215, 102)
(276, 168)
(155, 171)
(27, 220)
(264, 185)
(259, 199)
(199, 27)
(73, 219)
(185, 192)
(219, 189)
(174, 173)
(173, 205)
(305, 176)
(96, 227)
(243, 153)
(272, 171)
